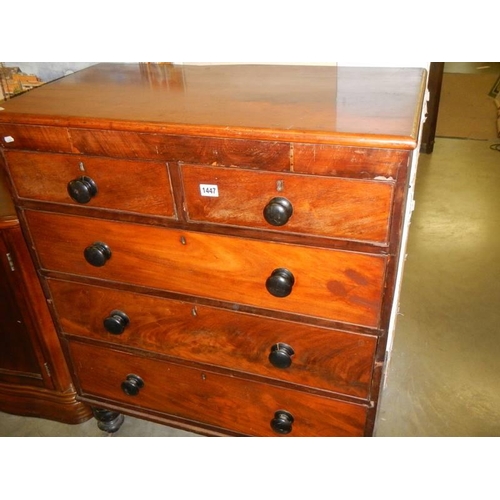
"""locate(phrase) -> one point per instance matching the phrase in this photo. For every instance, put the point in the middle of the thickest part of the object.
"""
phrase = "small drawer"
(246, 407)
(323, 206)
(35, 138)
(349, 161)
(128, 186)
(333, 284)
(304, 355)
(180, 148)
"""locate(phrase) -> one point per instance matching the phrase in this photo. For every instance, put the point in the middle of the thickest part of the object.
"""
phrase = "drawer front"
(338, 285)
(245, 407)
(364, 163)
(322, 358)
(323, 206)
(172, 148)
(35, 138)
(130, 186)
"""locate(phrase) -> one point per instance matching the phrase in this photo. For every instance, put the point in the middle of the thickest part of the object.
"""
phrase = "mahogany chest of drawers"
(220, 246)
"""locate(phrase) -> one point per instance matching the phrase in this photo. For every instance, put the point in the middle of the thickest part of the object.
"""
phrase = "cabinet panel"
(34, 377)
(18, 359)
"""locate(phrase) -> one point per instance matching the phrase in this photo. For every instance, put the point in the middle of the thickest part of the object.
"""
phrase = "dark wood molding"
(434, 86)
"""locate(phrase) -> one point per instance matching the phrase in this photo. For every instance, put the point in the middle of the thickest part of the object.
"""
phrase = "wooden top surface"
(345, 105)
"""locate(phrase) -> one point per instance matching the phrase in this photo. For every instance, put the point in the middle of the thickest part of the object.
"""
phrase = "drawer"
(35, 138)
(269, 155)
(333, 284)
(345, 161)
(245, 407)
(323, 206)
(326, 359)
(129, 186)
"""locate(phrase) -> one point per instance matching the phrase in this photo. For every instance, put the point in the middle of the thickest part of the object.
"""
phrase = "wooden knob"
(132, 385)
(116, 322)
(282, 422)
(82, 189)
(281, 355)
(278, 211)
(280, 282)
(97, 254)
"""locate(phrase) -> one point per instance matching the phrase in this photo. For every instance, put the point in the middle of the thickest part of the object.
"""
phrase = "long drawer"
(332, 284)
(243, 406)
(288, 351)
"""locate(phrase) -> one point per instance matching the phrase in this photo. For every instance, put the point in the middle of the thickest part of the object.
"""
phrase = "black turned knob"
(132, 385)
(278, 211)
(82, 190)
(281, 355)
(116, 322)
(282, 422)
(97, 254)
(280, 283)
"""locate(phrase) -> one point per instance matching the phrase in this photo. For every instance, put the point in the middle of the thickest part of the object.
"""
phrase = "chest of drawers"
(220, 246)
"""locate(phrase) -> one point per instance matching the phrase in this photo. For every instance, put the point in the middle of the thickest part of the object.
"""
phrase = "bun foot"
(107, 420)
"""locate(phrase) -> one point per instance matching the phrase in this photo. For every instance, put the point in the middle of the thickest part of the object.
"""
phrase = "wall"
(47, 71)
(381, 64)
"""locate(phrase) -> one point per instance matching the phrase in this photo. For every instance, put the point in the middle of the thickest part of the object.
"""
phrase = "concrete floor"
(444, 374)
(472, 67)
(443, 378)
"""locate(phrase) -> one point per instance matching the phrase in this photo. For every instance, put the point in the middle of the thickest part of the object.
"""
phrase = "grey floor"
(444, 374)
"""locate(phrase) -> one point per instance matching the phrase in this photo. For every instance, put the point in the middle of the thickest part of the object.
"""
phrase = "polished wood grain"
(45, 177)
(32, 401)
(268, 155)
(320, 159)
(342, 286)
(348, 106)
(357, 162)
(34, 138)
(202, 396)
(325, 359)
(323, 206)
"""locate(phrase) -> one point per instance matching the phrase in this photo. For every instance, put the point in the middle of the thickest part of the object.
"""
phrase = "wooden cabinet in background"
(34, 379)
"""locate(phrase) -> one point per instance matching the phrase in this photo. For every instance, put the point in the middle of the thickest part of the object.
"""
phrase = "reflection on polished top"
(348, 105)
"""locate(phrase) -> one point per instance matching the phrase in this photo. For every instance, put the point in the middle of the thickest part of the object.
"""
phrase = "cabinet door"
(20, 360)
